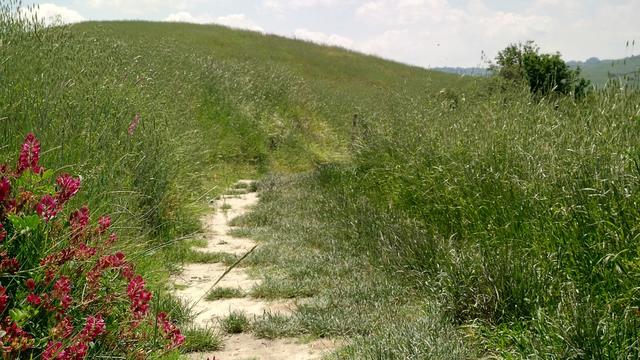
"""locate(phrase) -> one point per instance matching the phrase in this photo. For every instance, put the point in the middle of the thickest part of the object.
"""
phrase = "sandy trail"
(196, 280)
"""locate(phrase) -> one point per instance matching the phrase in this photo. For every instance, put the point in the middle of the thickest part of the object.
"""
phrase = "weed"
(273, 326)
(234, 323)
(224, 293)
(201, 340)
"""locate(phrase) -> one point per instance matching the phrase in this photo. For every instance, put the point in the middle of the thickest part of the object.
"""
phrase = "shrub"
(65, 293)
(544, 73)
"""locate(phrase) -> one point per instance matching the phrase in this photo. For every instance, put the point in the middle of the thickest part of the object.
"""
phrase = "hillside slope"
(157, 118)
(423, 215)
(601, 71)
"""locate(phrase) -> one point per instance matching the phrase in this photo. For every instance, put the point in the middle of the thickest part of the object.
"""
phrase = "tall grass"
(520, 215)
(151, 129)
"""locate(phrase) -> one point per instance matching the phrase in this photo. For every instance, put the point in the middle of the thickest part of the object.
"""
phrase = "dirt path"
(197, 280)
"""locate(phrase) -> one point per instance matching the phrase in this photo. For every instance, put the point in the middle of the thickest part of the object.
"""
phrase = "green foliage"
(224, 293)
(514, 214)
(235, 323)
(201, 340)
(544, 73)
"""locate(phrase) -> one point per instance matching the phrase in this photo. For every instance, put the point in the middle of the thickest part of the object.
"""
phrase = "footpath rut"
(195, 281)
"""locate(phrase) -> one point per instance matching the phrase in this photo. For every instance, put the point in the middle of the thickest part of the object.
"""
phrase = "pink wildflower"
(116, 260)
(85, 252)
(14, 339)
(104, 222)
(8, 264)
(34, 299)
(94, 327)
(139, 297)
(61, 290)
(52, 350)
(47, 208)
(112, 239)
(171, 332)
(58, 258)
(63, 329)
(5, 188)
(30, 284)
(68, 187)
(134, 124)
(79, 220)
(77, 351)
(4, 298)
(29, 155)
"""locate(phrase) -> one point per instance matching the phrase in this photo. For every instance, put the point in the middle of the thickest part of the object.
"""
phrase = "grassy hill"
(429, 215)
(601, 71)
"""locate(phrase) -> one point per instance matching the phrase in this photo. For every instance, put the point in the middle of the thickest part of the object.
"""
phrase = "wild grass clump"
(511, 211)
(235, 323)
(224, 293)
(201, 340)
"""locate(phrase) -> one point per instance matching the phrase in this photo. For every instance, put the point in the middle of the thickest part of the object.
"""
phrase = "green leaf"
(48, 174)
(25, 224)
(19, 316)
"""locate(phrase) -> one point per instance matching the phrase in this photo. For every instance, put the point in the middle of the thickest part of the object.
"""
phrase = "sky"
(427, 33)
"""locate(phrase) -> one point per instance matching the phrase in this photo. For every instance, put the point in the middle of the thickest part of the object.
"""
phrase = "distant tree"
(544, 73)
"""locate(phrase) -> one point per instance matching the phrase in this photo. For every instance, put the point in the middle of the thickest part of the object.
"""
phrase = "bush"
(65, 293)
(544, 73)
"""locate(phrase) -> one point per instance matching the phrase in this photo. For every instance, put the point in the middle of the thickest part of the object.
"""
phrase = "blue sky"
(427, 33)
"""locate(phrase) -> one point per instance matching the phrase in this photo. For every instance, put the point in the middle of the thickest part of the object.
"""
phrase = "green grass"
(304, 254)
(224, 293)
(273, 326)
(235, 323)
(201, 340)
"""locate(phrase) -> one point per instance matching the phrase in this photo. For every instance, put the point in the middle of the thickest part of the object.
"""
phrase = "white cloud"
(142, 8)
(405, 12)
(298, 4)
(322, 38)
(184, 16)
(237, 21)
(51, 14)
(435, 32)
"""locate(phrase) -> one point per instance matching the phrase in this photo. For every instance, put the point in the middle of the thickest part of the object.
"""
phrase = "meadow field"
(428, 215)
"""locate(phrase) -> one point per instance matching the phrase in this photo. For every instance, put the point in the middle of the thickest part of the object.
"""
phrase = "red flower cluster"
(30, 155)
(134, 124)
(139, 297)
(94, 327)
(47, 208)
(79, 220)
(56, 350)
(104, 222)
(115, 261)
(68, 187)
(170, 331)
(34, 299)
(66, 286)
(62, 291)
(3, 298)
(13, 337)
(8, 264)
(5, 188)
(63, 329)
